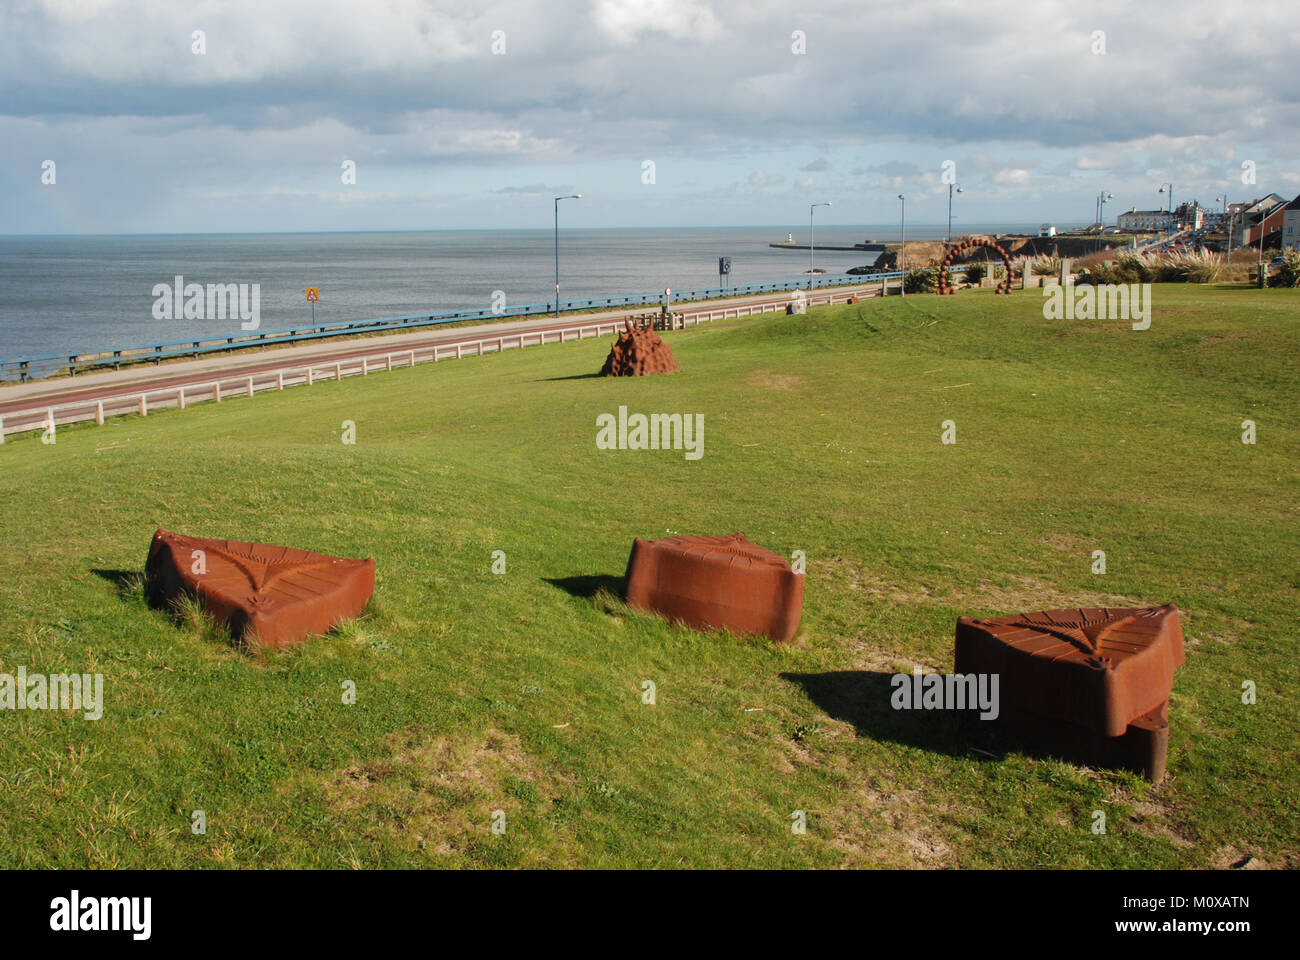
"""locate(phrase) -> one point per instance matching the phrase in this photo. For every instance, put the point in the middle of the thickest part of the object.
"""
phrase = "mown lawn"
(522, 692)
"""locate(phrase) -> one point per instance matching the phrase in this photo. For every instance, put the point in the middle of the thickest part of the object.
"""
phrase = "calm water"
(72, 294)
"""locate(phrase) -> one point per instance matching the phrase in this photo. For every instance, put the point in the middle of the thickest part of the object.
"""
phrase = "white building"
(1136, 219)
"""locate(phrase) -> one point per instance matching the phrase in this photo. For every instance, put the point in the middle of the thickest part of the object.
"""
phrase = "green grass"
(479, 692)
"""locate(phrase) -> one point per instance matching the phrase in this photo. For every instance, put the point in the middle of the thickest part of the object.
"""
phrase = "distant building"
(1189, 216)
(1291, 224)
(1047, 230)
(1248, 219)
(1141, 220)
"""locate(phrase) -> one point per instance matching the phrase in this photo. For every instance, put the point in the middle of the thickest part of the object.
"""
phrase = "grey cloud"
(999, 72)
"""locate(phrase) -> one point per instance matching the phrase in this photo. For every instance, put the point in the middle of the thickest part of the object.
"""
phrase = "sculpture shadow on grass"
(588, 586)
(576, 376)
(127, 583)
(134, 585)
(862, 698)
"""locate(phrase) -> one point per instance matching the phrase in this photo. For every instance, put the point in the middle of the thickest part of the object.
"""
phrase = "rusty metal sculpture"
(723, 582)
(266, 596)
(638, 353)
(944, 284)
(1089, 683)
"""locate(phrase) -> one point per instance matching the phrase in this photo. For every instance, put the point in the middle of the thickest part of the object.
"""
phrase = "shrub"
(918, 280)
(1187, 267)
(1103, 272)
(976, 272)
(1166, 270)
(1046, 266)
(1200, 266)
(1288, 275)
(1133, 268)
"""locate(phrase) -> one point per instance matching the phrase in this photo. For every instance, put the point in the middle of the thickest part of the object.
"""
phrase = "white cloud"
(1014, 176)
(625, 21)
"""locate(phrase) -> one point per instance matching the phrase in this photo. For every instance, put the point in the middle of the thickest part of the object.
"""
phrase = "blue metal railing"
(35, 367)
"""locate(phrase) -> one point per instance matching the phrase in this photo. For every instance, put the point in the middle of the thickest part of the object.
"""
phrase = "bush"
(1288, 275)
(1200, 266)
(1103, 272)
(1045, 266)
(1187, 267)
(1133, 268)
(1167, 270)
(976, 272)
(918, 280)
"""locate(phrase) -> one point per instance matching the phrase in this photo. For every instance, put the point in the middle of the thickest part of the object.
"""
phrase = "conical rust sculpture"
(638, 353)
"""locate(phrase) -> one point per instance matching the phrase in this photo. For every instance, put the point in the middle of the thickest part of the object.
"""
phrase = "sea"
(83, 294)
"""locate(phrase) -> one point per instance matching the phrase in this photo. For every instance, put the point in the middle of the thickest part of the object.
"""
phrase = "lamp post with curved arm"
(812, 239)
(1170, 188)
(571, 196)
(902, 245)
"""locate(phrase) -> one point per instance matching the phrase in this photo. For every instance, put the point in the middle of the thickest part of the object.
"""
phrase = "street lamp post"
(1101, 214)
(571, 196)
(902, 245)
(812, 239)
(1263, 224)
(1224, 200)
(950, 190)
(1171, 204)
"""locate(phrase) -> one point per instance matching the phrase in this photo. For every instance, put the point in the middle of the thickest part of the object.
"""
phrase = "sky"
(250, 115)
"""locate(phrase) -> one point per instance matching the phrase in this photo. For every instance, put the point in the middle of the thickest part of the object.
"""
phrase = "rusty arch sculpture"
(944, 284)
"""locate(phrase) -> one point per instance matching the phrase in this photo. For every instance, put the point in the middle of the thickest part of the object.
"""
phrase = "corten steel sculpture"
(1087, 683)
(638, 353)
(266, 596)
(944, 285)
(724, 582)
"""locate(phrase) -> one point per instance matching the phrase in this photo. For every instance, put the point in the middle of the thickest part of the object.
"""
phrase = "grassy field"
(522, 692)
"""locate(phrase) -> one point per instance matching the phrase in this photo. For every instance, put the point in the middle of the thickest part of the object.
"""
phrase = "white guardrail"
(48, 418)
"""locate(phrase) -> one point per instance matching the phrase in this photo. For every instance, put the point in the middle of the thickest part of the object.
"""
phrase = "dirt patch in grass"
(436, 797)
(1232, 337)
(1011, 594)
(1149, 818)
(1018, 593)
(1075, 546)
(1230, 857)
(773, 381)
(882, 827)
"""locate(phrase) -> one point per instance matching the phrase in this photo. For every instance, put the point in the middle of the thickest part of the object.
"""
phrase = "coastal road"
(22, 406)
